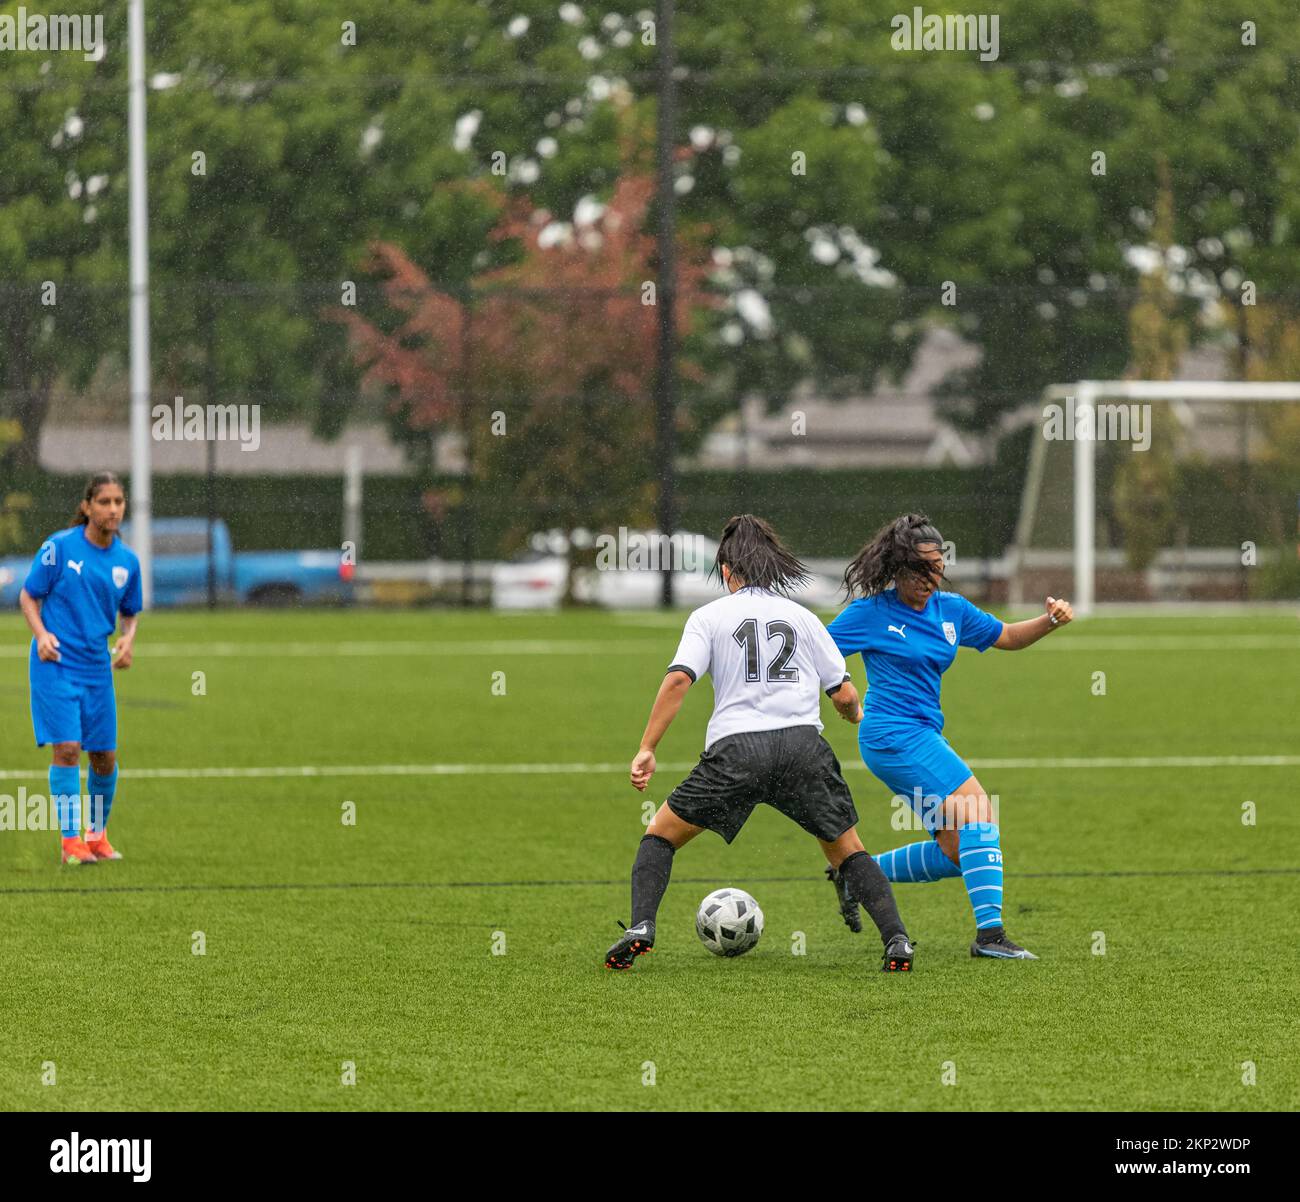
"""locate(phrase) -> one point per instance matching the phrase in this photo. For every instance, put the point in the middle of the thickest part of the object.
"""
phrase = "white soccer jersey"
(770, 659)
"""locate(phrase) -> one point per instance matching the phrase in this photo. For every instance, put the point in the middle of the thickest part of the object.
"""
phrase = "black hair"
(753, 551)
(93, 485)
(895, 549)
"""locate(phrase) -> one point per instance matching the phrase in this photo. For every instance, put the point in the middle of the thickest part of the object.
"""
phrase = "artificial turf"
(328, 944)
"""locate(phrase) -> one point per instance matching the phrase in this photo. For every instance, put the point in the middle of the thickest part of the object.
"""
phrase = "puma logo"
(898, 630)
(75, 566)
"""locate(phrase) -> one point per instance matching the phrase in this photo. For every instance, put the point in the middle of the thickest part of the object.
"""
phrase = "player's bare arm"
(847, 703)
(47, 645)
(668, 701)
(1017, 635)
(124, 649)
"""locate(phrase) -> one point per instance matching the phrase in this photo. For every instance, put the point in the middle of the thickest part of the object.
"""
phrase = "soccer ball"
(729, 922)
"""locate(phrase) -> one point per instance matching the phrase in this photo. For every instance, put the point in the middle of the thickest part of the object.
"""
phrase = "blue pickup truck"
(180, 570)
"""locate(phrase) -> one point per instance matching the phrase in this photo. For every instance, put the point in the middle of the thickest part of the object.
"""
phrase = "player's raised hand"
(1059, 611)
(643, 768)
(47, 648)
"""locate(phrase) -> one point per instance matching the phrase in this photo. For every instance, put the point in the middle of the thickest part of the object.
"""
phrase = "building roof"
(288, 449)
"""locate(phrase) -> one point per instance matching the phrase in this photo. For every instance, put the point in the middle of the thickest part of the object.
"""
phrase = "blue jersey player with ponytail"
(907, 632)
(80, 581)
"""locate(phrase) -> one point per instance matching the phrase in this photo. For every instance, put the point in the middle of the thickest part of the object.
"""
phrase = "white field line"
(330, 770)
(498, 647)
(377, 648)
(1174, 642)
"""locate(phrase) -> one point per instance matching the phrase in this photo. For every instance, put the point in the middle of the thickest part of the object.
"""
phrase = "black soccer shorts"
(793, 770)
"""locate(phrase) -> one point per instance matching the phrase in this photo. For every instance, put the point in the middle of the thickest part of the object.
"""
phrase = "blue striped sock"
(981, 868)
(65, 790)
(101, 790)
(916, 862)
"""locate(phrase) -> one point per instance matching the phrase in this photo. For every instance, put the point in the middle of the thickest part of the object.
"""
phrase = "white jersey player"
(770, 660)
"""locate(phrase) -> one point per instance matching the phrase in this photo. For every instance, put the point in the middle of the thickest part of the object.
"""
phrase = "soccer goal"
(1177, 490)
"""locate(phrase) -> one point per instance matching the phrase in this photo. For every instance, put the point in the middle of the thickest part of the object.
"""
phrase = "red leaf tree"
(550, 368)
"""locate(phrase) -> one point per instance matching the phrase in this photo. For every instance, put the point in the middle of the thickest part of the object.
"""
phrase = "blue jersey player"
(79, 582)
(907, 632)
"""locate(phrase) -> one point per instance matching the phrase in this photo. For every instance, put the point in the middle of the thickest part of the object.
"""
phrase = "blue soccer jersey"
(906, 653)
(82, 588)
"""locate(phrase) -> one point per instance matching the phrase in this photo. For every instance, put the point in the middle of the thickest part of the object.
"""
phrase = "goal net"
(1161, 491)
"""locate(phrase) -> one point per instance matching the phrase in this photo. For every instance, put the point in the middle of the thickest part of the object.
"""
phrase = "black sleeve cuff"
(681, 668)
(836, 688)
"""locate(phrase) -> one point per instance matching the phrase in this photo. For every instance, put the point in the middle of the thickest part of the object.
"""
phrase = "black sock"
(871, 887)
(654, 864)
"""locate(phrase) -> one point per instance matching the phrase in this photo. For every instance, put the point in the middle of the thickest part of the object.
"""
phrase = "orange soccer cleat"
(101, 848)
(77, 852)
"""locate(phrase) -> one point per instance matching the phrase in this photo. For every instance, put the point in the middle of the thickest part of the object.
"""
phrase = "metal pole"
(666, 298)
(211, 526)
(1085, 515)
(469, 512)
(141, 465)
(352, 500)
(210, 395)
(742, 484)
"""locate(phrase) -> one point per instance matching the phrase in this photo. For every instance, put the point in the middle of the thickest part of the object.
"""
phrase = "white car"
(628, 574)
(533, 581)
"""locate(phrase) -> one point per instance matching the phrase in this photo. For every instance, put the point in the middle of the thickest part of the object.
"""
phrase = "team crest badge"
(120, 574)
(950, 633)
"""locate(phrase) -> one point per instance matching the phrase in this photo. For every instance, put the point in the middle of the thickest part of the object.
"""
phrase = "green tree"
(1145, 482)
(544, 363)
(58, 128)
(913, 169)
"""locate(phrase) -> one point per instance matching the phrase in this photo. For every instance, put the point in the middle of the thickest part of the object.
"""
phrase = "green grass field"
(373, 943)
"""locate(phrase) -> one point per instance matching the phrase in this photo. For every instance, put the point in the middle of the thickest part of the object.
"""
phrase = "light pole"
(666, 293)
(141, 465)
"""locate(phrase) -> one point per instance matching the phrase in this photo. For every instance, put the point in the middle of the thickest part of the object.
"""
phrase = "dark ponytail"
(752, 550)
(896, 548)
(93, 485)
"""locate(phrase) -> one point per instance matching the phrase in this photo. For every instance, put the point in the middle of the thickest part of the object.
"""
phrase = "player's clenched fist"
(643, 768)
(1059, 611)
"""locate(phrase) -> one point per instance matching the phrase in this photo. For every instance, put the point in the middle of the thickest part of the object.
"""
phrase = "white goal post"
(1088, 400)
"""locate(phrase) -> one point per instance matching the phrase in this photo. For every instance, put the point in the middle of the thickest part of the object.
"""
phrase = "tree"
(1144, 483)
(545, 364)
(57, 130)
(843, 182)
(262, 193)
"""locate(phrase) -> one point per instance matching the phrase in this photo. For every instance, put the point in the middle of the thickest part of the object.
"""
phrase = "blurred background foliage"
(286, 146)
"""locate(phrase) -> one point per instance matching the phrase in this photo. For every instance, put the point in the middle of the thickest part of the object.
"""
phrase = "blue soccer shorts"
(921, 766)
(72, 707)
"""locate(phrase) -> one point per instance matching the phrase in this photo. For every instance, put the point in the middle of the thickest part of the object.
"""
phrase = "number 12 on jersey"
(746, 635)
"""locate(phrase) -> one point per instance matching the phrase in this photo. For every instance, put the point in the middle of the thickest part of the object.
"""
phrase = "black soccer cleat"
(848, 903)
(898, 955)
(994, 945)
(636, 942)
